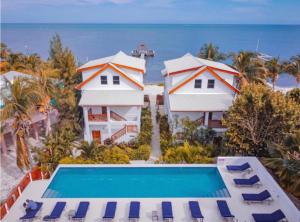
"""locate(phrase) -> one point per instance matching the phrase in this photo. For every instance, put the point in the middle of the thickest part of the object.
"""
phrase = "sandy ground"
(10, 174)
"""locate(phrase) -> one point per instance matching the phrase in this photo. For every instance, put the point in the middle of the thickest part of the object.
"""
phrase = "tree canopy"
(257, 117)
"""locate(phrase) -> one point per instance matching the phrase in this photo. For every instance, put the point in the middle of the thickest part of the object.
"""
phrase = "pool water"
(136, 182)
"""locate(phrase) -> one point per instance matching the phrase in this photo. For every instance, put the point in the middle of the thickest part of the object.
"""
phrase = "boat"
(142, 51)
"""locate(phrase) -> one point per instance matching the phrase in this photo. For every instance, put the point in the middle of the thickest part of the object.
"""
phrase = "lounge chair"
(254, 180)
(276, 216)
(195, 211)
(134, 211)
(264, 196)
(56, 212)
(224, 210)
(110, 211)
(167, 212)
(239, 168)
(82, 209)
(32, 214)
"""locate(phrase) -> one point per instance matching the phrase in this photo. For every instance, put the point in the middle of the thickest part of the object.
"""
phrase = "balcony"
(215, 124)
(97, 117)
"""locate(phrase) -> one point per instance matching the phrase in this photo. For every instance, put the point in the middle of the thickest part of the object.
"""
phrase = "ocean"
(91, 41)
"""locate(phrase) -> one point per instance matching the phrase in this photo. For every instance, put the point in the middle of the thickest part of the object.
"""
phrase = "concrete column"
(206, 119)
(86, 124)
(35, 131)
(108, 113)
(3, 145)
(139, 111)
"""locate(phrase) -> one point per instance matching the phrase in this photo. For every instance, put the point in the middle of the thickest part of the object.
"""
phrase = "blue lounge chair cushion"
(224, 209)
(242, 167)
(251, 181)
(110, 210)
(134, 211)
(195, 209)
(81, 210)
(30, 214)
(167, 211)
(273, 217)
(56, 212)
(256, 197)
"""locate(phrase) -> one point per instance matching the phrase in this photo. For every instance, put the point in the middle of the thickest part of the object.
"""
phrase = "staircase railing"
(126, 129)
(116, 116)
(97, 117)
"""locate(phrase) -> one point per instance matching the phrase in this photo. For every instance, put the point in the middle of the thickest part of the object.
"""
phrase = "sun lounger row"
(134, 212)
(261, 197)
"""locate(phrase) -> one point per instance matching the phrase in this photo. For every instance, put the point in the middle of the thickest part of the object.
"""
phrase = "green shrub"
(188, 154)
(141, 153)
(115, 155)
(145, 134)
(166, 139)
(71, 160)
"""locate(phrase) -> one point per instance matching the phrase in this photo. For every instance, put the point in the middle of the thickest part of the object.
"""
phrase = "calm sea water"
(134, 182)
(90, 41)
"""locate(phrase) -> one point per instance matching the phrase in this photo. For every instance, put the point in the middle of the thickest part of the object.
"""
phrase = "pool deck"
(241, 210)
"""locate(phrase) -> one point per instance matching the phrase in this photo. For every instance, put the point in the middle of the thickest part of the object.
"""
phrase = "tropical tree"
(46, 86)
(274, 69)
(32, 63)
(5, 51)
(211, 52)
(57, 146)
(20, 103)
(89, 151)
(294, 94)
(293, 67)
(250, 67)
(257, 117)
(285, 162)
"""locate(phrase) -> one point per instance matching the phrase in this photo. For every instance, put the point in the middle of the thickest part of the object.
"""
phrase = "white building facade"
(199, 89)
(112, 98)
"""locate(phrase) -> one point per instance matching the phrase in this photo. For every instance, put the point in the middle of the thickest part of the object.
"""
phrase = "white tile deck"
(208, 206)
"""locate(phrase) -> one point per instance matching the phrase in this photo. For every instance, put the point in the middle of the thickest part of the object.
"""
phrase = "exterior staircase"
(115, 116)
(126, 129)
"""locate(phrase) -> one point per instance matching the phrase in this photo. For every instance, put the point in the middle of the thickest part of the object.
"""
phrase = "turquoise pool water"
(136, 182)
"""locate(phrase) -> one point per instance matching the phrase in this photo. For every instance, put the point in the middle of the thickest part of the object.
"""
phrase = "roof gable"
(199, 72)
(189, 62)
(120, 60)
(116, 69)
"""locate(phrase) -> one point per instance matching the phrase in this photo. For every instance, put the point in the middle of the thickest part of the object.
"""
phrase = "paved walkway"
(152, 91)
(155, 143)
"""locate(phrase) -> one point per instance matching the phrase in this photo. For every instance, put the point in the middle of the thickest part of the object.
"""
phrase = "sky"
(152, 11)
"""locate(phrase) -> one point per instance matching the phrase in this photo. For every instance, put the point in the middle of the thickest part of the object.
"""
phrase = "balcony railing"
(98, 117)
(215, 124)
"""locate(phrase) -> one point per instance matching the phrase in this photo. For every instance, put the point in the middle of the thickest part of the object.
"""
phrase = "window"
(116, 80)
(198, 83)
(103, 80)
(211, 84)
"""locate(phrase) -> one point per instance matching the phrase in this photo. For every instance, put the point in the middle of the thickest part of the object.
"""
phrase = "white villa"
(112, 97)
(198, 89)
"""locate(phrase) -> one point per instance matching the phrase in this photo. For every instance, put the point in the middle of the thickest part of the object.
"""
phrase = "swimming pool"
(136, 182)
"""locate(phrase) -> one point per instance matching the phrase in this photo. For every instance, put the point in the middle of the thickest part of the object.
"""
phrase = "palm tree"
(211, 52)
(274, 69)
(20, 103)
(249, 66)
(33, 62)
(293, 67)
